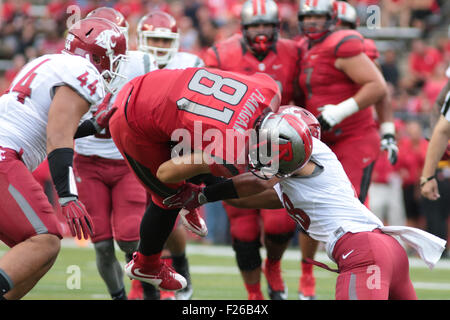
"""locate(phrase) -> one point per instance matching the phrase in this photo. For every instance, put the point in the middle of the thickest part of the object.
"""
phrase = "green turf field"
(214, 275)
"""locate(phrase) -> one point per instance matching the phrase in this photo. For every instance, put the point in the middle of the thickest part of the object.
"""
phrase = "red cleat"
(256, 296)
(161, 276)
(307, 287)
(136, 291)
(194, 222)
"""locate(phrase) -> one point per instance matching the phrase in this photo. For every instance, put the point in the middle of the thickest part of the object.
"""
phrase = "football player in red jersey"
(146, 124)
(260, 49)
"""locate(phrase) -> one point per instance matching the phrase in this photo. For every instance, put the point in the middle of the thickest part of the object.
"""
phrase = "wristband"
(220, 191)
(387, 128)
(346, 108)
(60, 162)
(424, 180)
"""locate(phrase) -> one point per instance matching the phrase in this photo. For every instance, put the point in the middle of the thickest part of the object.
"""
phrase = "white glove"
(388, 143)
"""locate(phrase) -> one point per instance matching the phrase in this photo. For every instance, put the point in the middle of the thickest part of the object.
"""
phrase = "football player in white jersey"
(39, 117)
(311, 184)
(112, 195)
(158, 35)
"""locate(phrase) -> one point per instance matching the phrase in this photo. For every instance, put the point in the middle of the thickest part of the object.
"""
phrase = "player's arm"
(435, 111)
(211, 57)
(65, 112)
(436, 148)
(362, 71)
(268, 199)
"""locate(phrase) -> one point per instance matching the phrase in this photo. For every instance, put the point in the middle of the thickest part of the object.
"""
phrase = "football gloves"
(188, 196)
(388, 142)
(77, 217)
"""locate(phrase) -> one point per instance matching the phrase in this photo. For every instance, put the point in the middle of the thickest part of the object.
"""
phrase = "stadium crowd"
(416, 68)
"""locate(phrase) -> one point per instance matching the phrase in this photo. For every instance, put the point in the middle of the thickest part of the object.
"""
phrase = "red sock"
(152, 261)
(307, 268)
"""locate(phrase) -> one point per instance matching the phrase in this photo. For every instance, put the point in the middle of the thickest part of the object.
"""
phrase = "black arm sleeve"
(60, 162)
(220, 191)
(87, 128)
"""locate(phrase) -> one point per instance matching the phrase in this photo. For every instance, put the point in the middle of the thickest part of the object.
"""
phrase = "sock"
(307, 268)
(156, 226)
(6, 283)
(253, 288)
(181, 265)
(120, 295)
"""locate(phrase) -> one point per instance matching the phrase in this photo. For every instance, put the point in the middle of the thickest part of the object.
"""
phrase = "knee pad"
(280, 238)
(105, 251)
(129, 247)
(248, 256)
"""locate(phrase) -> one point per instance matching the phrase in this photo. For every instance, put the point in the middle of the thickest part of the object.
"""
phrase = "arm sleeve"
(349, 46)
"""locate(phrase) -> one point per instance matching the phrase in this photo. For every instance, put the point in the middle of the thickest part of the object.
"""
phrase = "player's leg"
(245, 229)
(93, 175)
(144, 157)
(307, 281)
(28, 225)
(176, 243)
(278, 231)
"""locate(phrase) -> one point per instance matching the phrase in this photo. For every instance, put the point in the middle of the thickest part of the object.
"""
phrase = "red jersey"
(323, 84)
(199, 99)
(281, 63)
(370, 49)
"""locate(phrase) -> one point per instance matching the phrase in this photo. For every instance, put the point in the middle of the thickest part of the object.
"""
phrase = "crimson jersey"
(281, 63)
(323, 84)
(370, 49)
(198, 99)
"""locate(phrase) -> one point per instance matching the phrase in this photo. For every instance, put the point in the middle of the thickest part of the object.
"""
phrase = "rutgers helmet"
(283, 144)
(317, 8)
(346, 13)
(311, 121)
(111, 15)
(255, 12)
(102, 43)
(158, 24)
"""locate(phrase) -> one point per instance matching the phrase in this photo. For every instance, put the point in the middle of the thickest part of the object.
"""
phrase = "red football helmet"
(159, 24)
(346, 15)
(305, 115)
(101, 42)
(327, 8)
(111, 15)
(283, 144)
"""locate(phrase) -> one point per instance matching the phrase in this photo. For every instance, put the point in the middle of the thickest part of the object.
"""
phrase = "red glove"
(78, 219)
(103, 114)
(189, 196)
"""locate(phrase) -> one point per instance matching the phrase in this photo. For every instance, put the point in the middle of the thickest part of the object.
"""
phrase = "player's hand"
(188, 196)
(329, 117)
(389, 144)
(103, 114)
(430, 190)
(78, 219)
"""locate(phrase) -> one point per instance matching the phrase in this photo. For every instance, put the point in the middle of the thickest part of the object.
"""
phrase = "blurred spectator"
(389, 67)
(423, 59)
(395, 13)
(18, 62)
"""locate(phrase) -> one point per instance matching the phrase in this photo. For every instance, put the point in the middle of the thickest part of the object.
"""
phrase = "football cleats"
(283, 145)
(346, 14)
(102, 43)
(305, 115)
(158, 24)
(327, 8)
(256, 12)
(111, 15)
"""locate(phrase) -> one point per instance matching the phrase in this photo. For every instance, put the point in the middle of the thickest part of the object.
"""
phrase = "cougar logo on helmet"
(105, 39)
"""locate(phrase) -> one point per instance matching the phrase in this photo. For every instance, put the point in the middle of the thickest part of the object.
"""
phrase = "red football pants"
(113, 197)
(24, 208)
(372, 266)
(245, 224)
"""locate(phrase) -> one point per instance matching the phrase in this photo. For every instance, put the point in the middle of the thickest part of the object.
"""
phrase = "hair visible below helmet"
(317, 8)
(311, 121)
(283, 145)
(255, 12)
(158, 24)
(346, 13)
(101, 42)
(111, 15)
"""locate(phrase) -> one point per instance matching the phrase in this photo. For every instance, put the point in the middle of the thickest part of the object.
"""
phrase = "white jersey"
(183, 60)
(24, 108)
(137, 64)
(327, 198)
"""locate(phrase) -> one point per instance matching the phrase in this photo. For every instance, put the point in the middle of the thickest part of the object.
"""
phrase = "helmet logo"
(105, 39)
